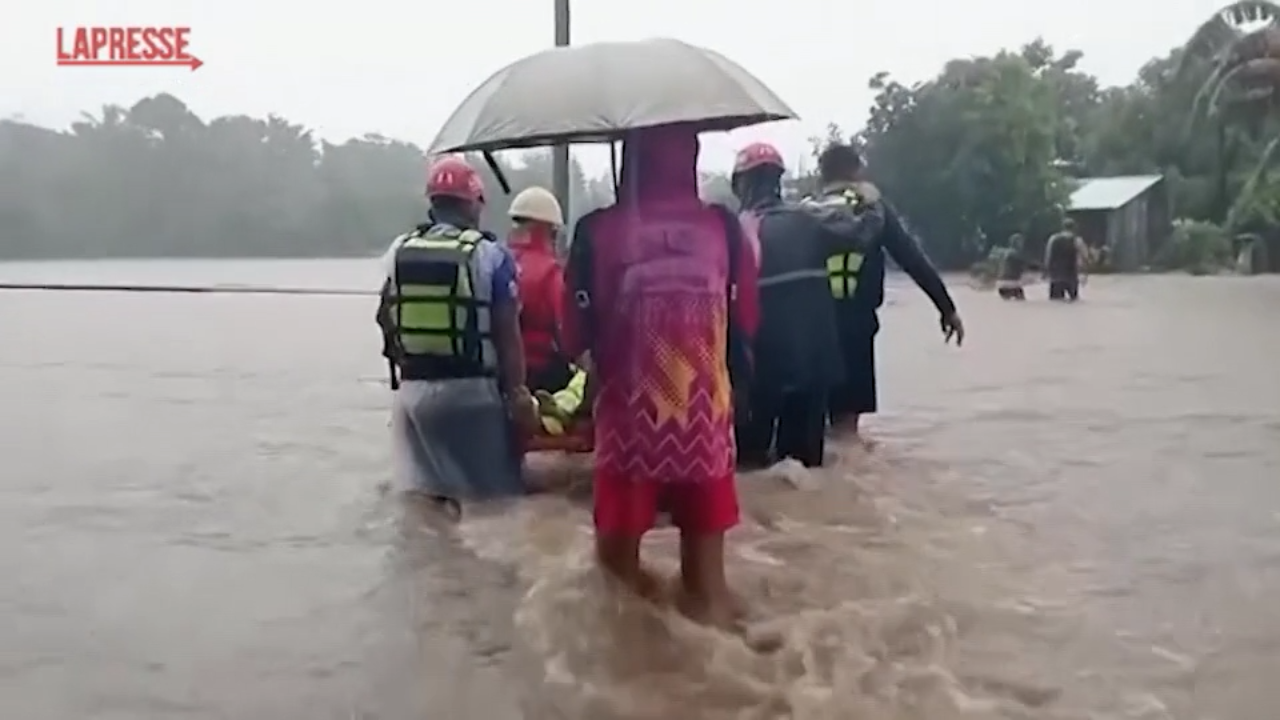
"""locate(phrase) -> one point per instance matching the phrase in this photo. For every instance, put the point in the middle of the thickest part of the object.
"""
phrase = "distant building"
(1129, 215)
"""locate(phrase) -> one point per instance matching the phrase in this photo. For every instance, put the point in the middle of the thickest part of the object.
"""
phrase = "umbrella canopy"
(593, 93)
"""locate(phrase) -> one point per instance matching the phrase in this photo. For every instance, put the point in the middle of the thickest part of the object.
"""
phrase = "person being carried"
(664, 298)
(857, 283)
(557, 383)
(797, 347)
(1013, 265)
(448, 312)
(1065, 259)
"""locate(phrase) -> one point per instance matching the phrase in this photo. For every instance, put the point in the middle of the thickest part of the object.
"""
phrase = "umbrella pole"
(560, 156)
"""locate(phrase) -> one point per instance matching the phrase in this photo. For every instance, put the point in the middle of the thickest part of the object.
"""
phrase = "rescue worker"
(1065, 259)
(1013, 264)
(797, 348)
(449, 316)
(538, 220)
(661, 284)
(857, 283)
(558, 385)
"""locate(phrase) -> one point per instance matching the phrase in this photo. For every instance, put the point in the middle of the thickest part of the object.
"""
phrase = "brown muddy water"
(1077, 515)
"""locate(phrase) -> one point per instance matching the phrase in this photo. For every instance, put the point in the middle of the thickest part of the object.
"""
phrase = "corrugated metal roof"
(1110, 193)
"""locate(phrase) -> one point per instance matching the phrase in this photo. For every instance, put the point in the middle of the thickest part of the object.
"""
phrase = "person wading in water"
(663, 297)
(1065, 258)
(857, 284)
(1013, 265)
(559, 386)
(449, 317)
(797, 348)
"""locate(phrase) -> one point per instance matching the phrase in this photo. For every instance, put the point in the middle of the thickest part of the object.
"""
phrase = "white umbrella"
(596, 92)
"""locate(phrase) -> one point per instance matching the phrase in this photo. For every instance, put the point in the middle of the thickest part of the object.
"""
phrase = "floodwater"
(1077, 515)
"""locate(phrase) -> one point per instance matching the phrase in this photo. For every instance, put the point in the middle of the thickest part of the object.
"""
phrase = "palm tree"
(1237, 53)
(1240, 46)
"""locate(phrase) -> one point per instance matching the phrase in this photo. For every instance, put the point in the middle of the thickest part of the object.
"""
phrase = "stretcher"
(578, 438)
(562, 428)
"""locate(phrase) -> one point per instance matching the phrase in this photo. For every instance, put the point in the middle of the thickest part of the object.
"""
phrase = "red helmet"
(451, 176)
(757, 155)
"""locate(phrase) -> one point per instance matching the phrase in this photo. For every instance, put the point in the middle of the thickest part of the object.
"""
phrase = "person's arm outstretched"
(905, 250)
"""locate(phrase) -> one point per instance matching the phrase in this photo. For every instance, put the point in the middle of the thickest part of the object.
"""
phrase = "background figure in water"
(651, 278)
(797, 347)
(448, 314)
(1013, 264)
(1065, 259)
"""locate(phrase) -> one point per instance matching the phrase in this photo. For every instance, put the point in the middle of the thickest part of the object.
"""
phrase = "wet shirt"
(664, 403)
(797, 347)
(657, 322)
(541, 290)
(1013, 265)
(1062, 256)
(897, 242)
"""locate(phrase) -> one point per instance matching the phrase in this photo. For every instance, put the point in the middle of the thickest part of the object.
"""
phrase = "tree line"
(988, 147)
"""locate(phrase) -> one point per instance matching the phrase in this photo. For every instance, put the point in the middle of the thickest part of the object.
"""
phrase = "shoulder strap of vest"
(837, 197)
(466, 236)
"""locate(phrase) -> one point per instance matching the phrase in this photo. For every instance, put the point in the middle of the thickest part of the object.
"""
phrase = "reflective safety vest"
(442, 308)
(563, 404)
(842, 268)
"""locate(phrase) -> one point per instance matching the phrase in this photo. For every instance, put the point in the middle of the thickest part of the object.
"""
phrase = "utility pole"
(560, 155)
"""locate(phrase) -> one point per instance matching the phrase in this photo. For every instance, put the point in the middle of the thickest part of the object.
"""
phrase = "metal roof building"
(1111, 193)
(1129, 215)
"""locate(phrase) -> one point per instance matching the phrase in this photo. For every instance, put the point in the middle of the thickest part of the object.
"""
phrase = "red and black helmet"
(759, 154)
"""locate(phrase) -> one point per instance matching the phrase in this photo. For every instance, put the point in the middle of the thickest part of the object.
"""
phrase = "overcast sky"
(399, 67)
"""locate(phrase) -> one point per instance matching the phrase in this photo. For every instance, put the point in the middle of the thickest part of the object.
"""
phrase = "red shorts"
(630, 508)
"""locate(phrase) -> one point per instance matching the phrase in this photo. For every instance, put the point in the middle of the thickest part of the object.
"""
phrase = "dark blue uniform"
(857, 285)
(797, 349)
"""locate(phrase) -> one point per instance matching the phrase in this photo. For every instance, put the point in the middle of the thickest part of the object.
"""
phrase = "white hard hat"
(537, 203)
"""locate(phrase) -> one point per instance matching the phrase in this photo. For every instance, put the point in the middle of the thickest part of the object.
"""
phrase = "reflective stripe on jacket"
(442, 307)
(842, 269)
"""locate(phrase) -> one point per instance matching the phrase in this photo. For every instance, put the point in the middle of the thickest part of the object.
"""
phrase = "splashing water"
(844, 580)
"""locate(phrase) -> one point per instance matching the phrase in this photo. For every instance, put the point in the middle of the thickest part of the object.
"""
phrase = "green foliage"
(983, 149)
(986, 148)
(1257, 206)
(156, 180)
(1197, 247)
(970, 155)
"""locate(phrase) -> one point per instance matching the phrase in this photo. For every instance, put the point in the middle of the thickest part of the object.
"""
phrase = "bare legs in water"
(700, 592)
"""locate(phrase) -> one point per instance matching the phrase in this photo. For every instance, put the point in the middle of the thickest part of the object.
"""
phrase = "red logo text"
(128, 46)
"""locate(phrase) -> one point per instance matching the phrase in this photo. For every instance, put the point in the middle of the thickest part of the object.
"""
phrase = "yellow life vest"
(842, 268)
(442, 309)
(556, 408)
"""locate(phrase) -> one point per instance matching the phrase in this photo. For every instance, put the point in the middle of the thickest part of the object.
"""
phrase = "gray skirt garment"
(454, 439)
